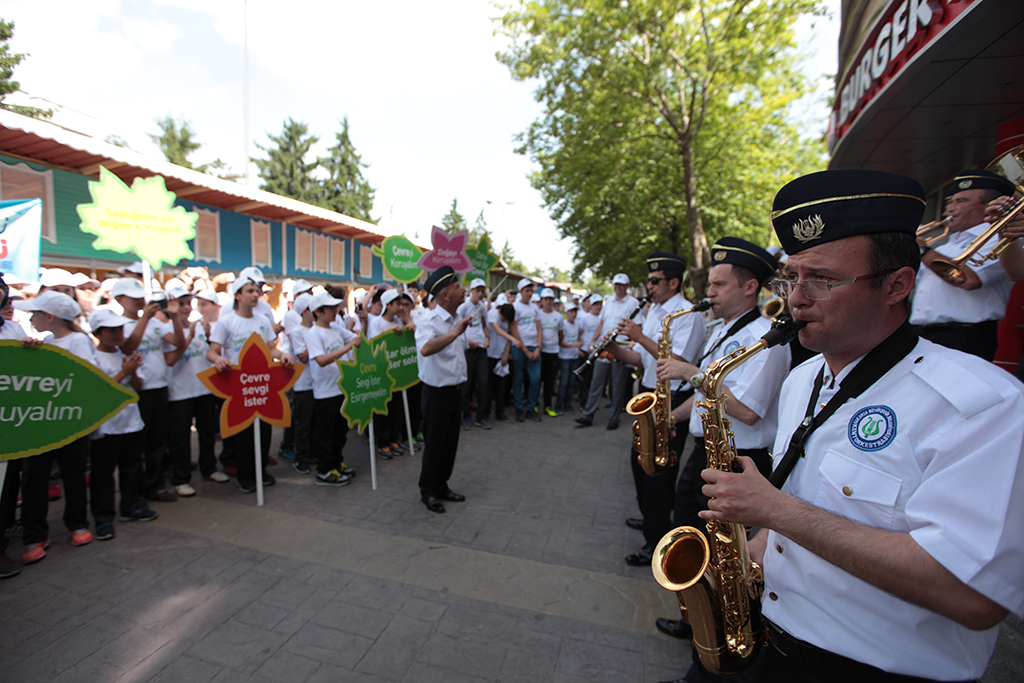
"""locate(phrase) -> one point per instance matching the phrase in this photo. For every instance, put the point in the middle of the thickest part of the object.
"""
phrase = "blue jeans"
(566, 366)
(532, 368)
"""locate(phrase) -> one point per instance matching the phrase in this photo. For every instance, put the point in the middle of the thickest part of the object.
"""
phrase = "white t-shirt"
(129, 419)
(75, 343)
(377, 325)
(588, 325)
(262, 308)
(477, 331)
(498, 343)
(12, 330)
(152, 346)
(570, 335)
(526, 322)
(185, 383)
(549, 324)
(297, 337)
(232, 331)
(322, 341)
(613, 311)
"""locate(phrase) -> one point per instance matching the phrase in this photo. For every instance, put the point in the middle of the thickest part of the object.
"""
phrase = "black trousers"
(244, 446)
(690, 500)
(549, 377)
(477, 379)
(122, 452)
(180, 414)
(980, 339)
(35, 482)
(441, 419)
(302, 424)
(153, 407)
(330, 433)
(498, 386)
(288, 439)
(656, 495)
(8, 500)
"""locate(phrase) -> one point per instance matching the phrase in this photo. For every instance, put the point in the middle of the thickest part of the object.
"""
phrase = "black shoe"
(635, 523)
(612, 426)
(641, 558)
(584, 422)
(433, 504)
(268, 480)
(452, 497)
(532, 415)
(677, 628)
(501, 417)
(520, 416)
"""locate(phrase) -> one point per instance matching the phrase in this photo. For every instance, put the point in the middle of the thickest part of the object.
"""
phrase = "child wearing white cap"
(478, 341)
(302, 393)
(54, 313)
(570, 355)
(526, 353)
(550, 322)
(386, 428)
(119, 442)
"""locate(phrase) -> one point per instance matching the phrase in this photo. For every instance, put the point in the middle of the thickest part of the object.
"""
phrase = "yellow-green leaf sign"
(399, 256)
(140, 219)
(400, 350)
(49, 398)
(483, 261)
(366, 383)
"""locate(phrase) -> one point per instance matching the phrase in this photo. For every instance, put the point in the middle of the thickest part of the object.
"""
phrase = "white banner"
(21, 222)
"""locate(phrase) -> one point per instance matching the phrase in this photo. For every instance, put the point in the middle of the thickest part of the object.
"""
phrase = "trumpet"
(606, 342)
(934, 233)
(952, 271)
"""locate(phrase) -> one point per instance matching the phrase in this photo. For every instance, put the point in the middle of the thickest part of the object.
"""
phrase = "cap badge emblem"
(807, 229)
(964, 184)
(719, 256)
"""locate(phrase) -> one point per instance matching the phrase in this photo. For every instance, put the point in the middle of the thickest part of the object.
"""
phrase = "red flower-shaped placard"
(253, 388)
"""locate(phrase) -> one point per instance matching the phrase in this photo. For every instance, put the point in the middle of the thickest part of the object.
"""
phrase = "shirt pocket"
(857, 491)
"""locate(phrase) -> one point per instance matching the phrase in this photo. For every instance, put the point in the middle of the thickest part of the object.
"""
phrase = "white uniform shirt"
(232, 331)
(477, 331)
(936, 301)
(570, 335)
(687, 333)
(755, 383)
(588, 325)
(184, 382)
(152, 346)
(12, 330)
(129, 419)
(933, 449)
(297, 339)
(498, 343)
(614, 311)
(447, 367)
(526, 322)
(323, 341)
(549, 324)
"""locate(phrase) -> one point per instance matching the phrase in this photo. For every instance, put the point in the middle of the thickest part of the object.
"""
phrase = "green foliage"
(453, 220)
(9, 60)
(345, 190)
(285, 171)
(665, 124)
(177, 143)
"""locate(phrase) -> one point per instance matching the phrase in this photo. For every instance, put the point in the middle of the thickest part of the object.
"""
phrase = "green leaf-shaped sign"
(400, 255)
(366, 384)
(483, 261)
(400, 350)
(49, 398)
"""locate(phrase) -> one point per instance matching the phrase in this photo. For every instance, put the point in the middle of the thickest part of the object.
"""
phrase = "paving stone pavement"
(523, 582)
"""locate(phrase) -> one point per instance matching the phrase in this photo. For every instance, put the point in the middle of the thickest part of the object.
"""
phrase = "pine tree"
(453, 220)
(286, 172)
(9, 60)
(345, 190)
(177, 142)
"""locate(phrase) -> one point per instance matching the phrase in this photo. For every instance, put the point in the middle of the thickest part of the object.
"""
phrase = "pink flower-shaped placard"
(448, 250)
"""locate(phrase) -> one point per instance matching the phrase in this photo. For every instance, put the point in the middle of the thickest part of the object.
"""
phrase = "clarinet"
(606, 342)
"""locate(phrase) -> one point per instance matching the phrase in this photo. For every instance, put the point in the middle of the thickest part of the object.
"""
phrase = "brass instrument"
(773, 307)
(606, 342)
(935, 233)
(714, 579)
(1011, 165)
(652, 430)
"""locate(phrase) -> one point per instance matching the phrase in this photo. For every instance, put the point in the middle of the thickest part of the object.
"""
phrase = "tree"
(345, 190)
(177, 142)
(453, 220)
(665, 123)
(9, 60)
(285, 171)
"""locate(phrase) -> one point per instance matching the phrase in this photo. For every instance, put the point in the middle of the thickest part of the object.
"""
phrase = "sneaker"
(268, 480)
(185, 490)
(54, 492)
(301, 467)
(8, 567)
(105, 531)
(286, 454)
(34, 552)
(532, 415)
(520, 415)
(559, 413)
(161, 496)
(231, 470)
(570, 409)
(384, 453)
(347, 471)
(140, 514)
(218, 477)
(418, 438)
(467, 423)
(396, 448)
(332, 478)
(271, 460)
(551, 412)
(247, 487)
(501, 417)
(482, 423)
(81, 537)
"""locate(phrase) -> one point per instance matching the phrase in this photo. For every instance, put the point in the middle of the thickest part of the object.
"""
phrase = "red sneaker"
(54, 492)
(34, 552)
(81, 537)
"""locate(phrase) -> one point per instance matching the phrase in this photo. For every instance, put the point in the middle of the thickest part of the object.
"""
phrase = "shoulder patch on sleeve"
(964, 389)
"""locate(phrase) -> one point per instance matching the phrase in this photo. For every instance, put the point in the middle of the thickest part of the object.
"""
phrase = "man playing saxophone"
(656, 494)
(894, 547)
(740, 270)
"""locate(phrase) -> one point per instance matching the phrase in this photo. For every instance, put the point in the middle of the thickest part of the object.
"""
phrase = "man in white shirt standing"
(963, 316)
(440, 350)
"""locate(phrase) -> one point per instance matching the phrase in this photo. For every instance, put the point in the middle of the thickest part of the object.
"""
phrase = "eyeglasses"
(817, 290)
(655, 281)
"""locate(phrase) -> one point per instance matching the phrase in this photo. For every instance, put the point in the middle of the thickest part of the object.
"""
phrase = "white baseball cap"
(209, 295)
(389, 296)
(55, 303)
(13, 280)
(596, 298)
(242, 281)
(104, 317)
(571, 306)
(525, 282)
(253, 273)
(323, 299)
(477, 282)
(81, 279)
(300, 286)
(128, 286)
(54, 277)
(176, 291)
(135, 267)
(620, 279)
(302, 302)
(535, 298)
(547, 292)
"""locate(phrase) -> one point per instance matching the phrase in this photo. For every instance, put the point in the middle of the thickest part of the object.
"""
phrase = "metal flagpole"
(257, 439)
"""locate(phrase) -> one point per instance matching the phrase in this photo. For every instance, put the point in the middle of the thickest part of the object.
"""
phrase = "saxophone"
(714, 579)
(652, 430)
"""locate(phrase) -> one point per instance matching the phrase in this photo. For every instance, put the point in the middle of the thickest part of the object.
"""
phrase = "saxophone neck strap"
(744, 320)
(873, 367)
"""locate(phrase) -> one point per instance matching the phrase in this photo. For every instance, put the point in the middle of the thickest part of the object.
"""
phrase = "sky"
(430, 109)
